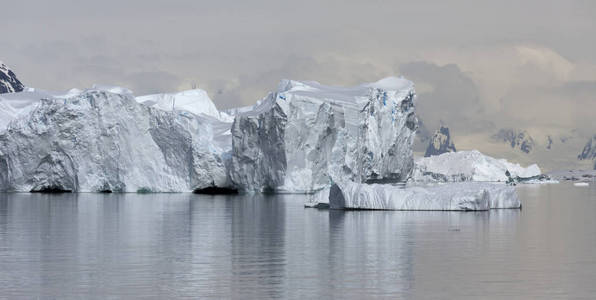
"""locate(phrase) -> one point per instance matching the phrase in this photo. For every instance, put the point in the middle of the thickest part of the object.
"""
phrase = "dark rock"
(8, 80)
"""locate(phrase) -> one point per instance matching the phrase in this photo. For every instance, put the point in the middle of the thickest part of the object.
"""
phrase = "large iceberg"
(103, 140)
(468, 166)
(306, 135)
(453, 196)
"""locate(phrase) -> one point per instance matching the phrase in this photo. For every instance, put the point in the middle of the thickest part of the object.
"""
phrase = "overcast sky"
(477, 65)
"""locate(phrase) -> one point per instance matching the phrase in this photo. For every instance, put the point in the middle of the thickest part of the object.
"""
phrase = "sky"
(478, 65)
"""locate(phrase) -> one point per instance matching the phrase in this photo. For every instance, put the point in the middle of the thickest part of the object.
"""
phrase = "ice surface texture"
(99, 140)
(468, 166)
(453, 196)
(305, 136)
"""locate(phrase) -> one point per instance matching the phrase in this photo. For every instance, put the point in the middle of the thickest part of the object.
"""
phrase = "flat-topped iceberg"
(99, 140)
(468, 166)
(461, 196)
(306, 135)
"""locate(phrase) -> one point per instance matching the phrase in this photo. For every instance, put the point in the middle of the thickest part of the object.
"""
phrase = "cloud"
(448, 96)
(247, 88)
(152, 82)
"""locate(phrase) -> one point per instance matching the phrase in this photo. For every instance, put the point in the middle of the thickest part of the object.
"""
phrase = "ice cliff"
(455, 196)
(305, 136)
(468, 166)
(103, 140)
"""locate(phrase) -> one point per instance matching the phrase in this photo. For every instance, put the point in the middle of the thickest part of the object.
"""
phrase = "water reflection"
(260, 246)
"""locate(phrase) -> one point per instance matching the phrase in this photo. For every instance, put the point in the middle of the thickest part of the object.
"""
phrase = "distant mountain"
(440, 143)
(8, 80)
(589, 151)
(520, 140)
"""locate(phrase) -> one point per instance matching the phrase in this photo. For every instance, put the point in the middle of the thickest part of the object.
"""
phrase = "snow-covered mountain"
(519, 140)
(9, 83)
(440, 143)
(305, 136)
(589, 151)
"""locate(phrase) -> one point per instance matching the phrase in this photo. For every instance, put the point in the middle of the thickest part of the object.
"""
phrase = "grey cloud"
(152, 82)
(447, 96)
(250, 87)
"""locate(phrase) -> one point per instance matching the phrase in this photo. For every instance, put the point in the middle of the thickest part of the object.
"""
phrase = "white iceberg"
(301, 137)
(98, 140)
(461, 196)
(468, 166)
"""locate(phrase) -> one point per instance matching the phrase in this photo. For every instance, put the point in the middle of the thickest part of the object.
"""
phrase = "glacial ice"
(13, 105)
(98, 140)
(305, 135)
(468, 166)
(194, 101)
(452, 196)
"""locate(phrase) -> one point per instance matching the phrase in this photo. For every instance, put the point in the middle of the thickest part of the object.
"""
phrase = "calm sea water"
(184, 245)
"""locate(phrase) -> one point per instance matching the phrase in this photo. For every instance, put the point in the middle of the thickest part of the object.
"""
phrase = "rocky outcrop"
(305, 136)
(8, 80)
(101, 141)
(440, 143)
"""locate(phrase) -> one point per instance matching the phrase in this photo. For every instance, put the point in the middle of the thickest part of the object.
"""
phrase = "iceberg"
(102, 140)
(469, 166)
(305, 135)
(463, 196)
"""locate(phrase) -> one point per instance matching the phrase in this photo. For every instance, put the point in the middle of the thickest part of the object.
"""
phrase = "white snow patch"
(194, 101)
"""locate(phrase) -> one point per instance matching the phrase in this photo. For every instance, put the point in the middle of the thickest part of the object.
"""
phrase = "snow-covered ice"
(13, 105)
(306, 135)
(581, 184)
(451, 196)
(195, 101)
(468, 166)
